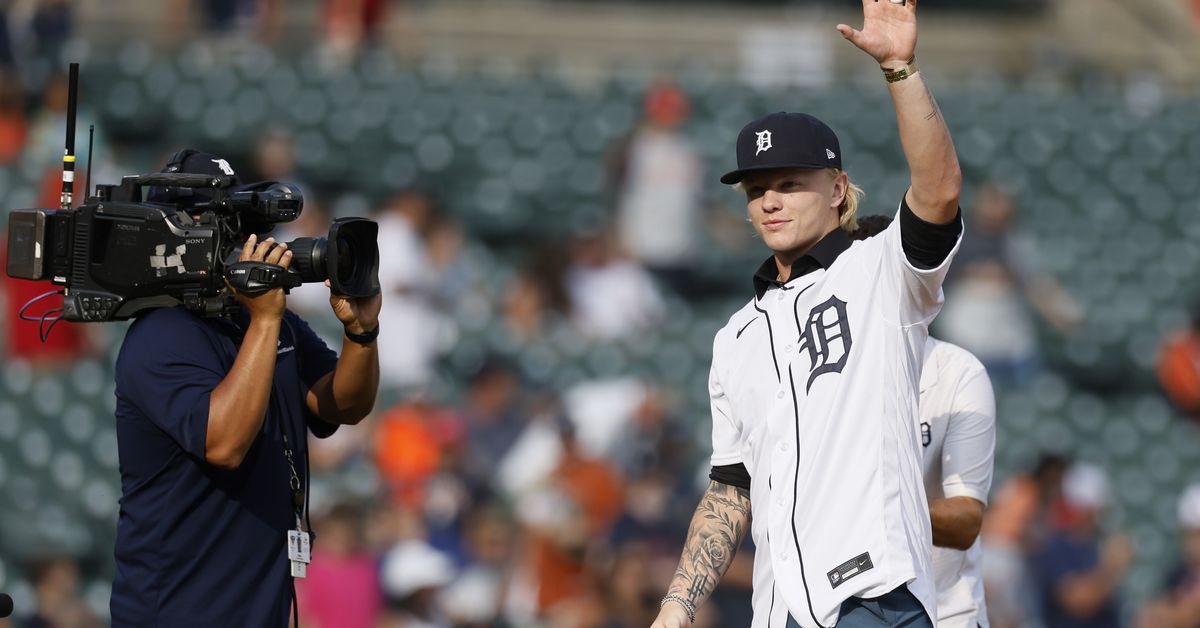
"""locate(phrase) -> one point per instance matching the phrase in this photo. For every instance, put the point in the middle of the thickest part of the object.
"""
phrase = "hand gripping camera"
(173, 237)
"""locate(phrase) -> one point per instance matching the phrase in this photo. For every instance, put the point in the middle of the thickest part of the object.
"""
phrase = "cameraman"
(211, 416)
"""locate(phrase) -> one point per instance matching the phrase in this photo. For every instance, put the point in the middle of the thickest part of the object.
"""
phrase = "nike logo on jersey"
(739, 334)
(849, 569)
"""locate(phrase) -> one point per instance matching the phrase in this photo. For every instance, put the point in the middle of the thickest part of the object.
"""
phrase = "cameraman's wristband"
(364, 338)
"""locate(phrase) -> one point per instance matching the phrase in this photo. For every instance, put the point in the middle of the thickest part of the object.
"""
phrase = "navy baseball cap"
(785, 140)
(192, 161)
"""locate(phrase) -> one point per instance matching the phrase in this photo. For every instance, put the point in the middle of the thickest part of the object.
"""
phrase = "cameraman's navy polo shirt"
(198, 545)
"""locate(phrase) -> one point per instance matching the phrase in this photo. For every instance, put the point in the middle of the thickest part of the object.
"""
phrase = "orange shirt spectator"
(411, 445)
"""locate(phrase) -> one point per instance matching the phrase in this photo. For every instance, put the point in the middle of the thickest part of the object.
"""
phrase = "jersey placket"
(781, 304)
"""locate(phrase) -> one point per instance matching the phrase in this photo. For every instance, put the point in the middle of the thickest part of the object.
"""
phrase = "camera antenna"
(87, 181)
(68, 176)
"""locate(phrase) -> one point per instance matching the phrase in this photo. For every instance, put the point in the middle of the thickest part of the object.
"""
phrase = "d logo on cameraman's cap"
(785, 140)
(192, 161)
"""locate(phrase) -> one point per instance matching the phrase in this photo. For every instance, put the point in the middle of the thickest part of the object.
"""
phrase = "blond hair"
(848, 210)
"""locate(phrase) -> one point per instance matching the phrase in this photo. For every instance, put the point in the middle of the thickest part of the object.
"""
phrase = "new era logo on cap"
(784, 140)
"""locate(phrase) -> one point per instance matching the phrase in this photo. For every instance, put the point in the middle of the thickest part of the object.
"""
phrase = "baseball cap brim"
(736, 176)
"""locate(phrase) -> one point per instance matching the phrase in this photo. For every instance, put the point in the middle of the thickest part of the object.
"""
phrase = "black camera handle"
(255, 278)
(183, 180)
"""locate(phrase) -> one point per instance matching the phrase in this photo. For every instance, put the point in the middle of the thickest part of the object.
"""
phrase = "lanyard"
(294, 481)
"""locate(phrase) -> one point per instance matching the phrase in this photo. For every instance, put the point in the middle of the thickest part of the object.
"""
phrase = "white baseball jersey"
(958, 434)
(814, 388)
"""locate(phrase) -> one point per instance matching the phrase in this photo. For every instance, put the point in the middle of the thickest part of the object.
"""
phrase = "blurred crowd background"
(557, 255)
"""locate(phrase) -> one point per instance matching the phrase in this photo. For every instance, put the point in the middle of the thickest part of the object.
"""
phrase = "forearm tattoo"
(716, 531)
(934, 112)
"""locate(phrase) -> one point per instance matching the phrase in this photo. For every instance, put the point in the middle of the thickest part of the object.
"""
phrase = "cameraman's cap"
(192, 161)
(785, 140)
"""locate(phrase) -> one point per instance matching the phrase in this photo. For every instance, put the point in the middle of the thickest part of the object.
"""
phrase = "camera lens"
(345, 265)
(354, 258)
(349, 258)
(308, 259)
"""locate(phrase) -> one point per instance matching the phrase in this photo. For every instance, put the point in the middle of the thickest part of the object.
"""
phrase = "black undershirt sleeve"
(731, 474)
(927, 244)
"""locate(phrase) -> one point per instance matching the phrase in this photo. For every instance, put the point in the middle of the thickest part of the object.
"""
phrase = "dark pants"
(898, 608)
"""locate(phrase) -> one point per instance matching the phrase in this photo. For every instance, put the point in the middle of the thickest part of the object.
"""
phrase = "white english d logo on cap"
(764, 141)
(224, 166)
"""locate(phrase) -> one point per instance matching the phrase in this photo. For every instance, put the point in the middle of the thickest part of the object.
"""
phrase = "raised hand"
(889, 32)
(357, 315)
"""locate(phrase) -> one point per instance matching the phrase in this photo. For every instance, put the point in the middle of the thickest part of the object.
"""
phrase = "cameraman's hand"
(358, 316)
(268, 305)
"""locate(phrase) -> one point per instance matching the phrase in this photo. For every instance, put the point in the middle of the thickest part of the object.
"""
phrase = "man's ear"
(841, 186)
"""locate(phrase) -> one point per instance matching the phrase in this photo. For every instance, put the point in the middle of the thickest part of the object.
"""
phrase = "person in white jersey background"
(814, 383)
(957, 420)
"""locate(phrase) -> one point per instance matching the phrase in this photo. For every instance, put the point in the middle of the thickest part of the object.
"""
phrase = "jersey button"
(779, 395)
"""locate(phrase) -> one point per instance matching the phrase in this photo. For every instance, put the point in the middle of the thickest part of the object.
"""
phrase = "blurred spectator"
(610, 296)
(1178, 605)
(565, 520)
(1179, 367)
(342, 588)
(257, 18)
(413, 442)
(538, 295)
(13, 126)
(413, 577)
(994, 282)
(656, 178)
(653, 441)
(492, 419)
(476, 596)
(51, 25)
(56, 592)
(631, 599)
(444, 245)
(412, 328)
(348, 25)
(1013, 527)
(1079, 573)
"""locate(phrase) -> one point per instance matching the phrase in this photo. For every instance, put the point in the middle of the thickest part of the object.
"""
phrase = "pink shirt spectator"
(341, 591)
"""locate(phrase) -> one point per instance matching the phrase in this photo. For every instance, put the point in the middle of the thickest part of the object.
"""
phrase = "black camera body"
(118, 255)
